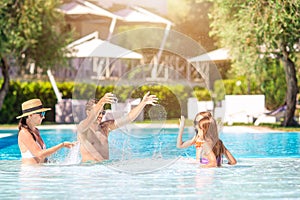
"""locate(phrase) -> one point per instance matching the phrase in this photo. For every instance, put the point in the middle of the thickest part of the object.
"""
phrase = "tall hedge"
(172, 99)
(22, 91)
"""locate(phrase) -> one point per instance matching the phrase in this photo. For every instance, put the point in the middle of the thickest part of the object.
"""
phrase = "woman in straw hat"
(32, 147)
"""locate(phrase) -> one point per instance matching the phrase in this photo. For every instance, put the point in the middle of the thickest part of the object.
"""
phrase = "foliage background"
(173, 98)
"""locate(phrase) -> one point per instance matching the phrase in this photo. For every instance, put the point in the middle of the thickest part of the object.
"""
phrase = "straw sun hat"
(32, 106)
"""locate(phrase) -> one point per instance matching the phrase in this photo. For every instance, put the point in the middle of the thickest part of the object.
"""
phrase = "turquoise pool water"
(146, 165)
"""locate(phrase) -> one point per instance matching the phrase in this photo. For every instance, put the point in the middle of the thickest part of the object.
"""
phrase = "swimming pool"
(146, 165)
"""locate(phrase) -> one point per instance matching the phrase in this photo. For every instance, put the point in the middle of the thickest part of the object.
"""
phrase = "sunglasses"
(103, 112)
(42, 114)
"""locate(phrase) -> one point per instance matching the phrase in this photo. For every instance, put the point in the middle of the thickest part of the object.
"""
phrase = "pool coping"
(225, 129)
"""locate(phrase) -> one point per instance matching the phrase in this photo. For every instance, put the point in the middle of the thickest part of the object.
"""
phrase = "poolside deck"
(231, 129)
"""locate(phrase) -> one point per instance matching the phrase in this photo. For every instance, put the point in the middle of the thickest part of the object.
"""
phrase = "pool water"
(146, 165)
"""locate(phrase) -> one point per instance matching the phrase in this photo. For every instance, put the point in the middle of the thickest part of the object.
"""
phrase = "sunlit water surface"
(250, 179)
(268, 168)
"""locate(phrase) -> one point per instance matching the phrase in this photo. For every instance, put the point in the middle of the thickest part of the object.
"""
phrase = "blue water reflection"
(143, 143)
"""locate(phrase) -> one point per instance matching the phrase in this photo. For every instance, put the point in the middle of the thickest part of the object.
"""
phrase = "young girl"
(209, 148)
(219, 150)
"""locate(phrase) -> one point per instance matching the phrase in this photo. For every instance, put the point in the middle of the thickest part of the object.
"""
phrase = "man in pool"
(93, 134)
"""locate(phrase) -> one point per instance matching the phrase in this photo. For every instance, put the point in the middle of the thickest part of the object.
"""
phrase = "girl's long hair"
(212, 133)
(204, 124)
(219, 150)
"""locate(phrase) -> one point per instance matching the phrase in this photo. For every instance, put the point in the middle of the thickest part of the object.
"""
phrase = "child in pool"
(209, 148)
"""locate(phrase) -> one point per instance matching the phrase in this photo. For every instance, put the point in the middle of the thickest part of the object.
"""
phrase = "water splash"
(73, 156)
(158, 114)
(126, 149)
(157, 154)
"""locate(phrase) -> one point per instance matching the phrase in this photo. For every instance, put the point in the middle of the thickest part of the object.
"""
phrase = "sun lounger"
(272, 116)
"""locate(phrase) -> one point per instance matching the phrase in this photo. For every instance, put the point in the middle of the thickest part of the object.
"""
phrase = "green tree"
(273, 83)
(253, 29)
(191, 18)
(30, 32)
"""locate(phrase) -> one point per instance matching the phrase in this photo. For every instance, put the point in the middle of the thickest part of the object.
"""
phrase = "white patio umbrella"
(204, 63)
(101, 48)
(139, 15)
(75, 8)
(81, 7)
(216, 55)
(86, 10)
(135, 14)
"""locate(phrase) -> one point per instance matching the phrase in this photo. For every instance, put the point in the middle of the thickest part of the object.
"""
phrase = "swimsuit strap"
(43, 146)
(30, 131)
(32, 135)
